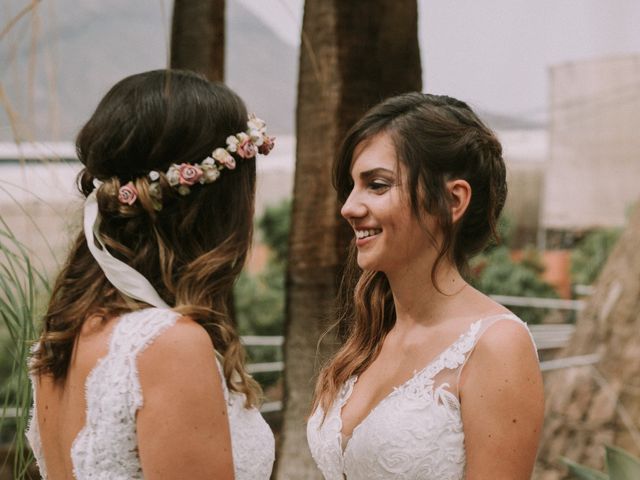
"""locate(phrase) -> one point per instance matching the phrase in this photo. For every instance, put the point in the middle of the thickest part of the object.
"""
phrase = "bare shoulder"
(186, 336)
(505, 354)
(183, 347)
(502, 403)
(183, 426)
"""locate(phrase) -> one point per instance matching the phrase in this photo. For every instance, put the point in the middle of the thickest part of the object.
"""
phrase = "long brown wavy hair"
(437, 138)
(193, 249)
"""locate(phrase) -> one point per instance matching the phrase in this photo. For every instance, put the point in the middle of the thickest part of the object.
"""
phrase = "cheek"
(416, 238)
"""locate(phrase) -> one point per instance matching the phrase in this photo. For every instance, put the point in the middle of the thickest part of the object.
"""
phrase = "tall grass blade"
(583, 473)
(621, 464)
(22, 286)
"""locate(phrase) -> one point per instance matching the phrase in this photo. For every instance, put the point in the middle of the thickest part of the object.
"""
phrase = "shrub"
(494, 272)
(590, 255)
(260, 298)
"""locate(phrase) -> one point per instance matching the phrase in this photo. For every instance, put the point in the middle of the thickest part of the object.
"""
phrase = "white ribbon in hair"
(126, 279)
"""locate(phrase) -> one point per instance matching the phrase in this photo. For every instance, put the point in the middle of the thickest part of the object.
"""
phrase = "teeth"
(367, 233)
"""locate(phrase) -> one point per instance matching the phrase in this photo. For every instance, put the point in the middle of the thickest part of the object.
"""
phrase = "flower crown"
(182, 177)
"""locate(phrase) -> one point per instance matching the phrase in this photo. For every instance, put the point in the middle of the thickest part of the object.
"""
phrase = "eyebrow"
(368, 174)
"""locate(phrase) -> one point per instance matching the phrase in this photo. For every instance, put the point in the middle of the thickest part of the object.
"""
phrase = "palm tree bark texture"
(197, 37)
(353, 54)
(590, 406)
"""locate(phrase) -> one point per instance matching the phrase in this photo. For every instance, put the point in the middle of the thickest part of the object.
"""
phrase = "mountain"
(82, 48)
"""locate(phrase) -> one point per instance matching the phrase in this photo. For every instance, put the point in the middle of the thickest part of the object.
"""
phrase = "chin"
(365, 262)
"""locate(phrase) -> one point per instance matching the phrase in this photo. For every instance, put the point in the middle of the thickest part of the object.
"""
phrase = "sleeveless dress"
(415, 432)
(106, 447)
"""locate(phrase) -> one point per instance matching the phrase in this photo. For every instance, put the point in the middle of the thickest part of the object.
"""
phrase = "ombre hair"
(193, 249)
(437, 139)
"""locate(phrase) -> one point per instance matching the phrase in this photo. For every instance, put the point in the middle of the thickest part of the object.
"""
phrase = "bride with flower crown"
(138, 371)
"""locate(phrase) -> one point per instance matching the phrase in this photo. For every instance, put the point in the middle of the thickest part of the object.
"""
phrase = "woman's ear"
(460, 192)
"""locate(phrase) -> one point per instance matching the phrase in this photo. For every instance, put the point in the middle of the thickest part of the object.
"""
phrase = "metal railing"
(554, 303)
(263, 341)
(546, 337)
(577, 361)
(551, 336)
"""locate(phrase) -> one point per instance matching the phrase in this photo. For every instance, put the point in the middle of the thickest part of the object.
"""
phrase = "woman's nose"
(353, 207)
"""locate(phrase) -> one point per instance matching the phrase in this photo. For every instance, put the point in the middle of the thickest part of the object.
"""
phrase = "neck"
(418, 300)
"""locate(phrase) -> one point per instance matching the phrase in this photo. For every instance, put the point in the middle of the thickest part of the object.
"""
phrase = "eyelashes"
(378, 186)
(375, 186)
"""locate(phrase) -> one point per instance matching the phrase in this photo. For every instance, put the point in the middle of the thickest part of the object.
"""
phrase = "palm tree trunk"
(353, 55)
(590, 406)
(197, 37)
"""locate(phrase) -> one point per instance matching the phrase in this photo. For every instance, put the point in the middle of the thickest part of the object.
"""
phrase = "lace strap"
(453, 356)
(33, 429)
(133, 333)
(137, 330)
(225, 388)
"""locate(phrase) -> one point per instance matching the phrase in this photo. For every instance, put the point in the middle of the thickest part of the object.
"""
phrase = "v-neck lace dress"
(106, 447)
(415, 432)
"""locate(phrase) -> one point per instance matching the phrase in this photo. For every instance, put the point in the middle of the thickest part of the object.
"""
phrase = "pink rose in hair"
(128, 194)
(267, 145)
(189, 174)
(246, 149)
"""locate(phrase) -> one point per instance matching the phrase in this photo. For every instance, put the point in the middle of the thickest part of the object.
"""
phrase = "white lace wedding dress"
(415, 432)
(106, 448)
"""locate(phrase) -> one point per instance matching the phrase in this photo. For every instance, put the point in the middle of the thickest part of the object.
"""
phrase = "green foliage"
(590, 255)
(497, 274)
(621, 465)
(259, 301)
(582, 472)
(8, 380)
(275, 225)
(494, 272)
(22, 287)
(506, 227)
(260, 298)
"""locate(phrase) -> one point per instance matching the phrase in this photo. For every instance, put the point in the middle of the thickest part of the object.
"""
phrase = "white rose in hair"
(211, 174)
(255, 123)
(232, 143)
(224, 158)
(173, 175)
(256, 137)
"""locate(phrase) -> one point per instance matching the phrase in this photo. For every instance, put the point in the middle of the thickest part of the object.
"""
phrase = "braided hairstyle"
(437, 139)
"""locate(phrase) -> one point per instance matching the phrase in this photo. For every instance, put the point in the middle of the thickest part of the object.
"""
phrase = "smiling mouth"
(360, 234)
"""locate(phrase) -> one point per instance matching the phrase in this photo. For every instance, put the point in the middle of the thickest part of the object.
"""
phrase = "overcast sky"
(496, 53)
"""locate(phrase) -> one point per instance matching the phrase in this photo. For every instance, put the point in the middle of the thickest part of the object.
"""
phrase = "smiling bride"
(435, 381)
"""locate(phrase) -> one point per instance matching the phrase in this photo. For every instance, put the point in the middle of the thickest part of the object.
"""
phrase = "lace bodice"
(415, 432)
(106, 447)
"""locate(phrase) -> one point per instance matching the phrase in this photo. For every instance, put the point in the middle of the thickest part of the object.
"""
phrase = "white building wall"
(593, 175)
(42, 207)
